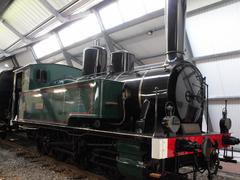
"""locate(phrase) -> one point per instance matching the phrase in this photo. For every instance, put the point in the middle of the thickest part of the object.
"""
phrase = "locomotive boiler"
(139, 123)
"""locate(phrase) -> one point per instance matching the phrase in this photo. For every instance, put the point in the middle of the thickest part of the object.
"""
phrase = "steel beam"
(16, 32)
(148, 17)
(14, 61)
(73, 58)
(107, 39)
(53, 11)
(4, 53)
(223, 98)
(66, 56)
(34, 55)
(78, 16)
(145, 18)
(215, 56)
(142, 34)
(72, 46)
(210, 7)
(134, 22)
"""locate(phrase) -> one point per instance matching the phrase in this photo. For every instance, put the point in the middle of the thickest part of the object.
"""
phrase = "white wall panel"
(211, 71)
(214, 31)
(25, 58)
(222, 75)
(193, 4)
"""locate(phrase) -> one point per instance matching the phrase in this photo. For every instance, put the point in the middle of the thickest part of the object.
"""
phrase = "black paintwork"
(6, 88)
(179, 84)
(94, 60)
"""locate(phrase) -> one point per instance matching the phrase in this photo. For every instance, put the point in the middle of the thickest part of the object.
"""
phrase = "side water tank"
(94, 60)
(122, 61)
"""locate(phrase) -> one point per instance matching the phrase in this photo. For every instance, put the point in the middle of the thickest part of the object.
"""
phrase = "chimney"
(175, 12)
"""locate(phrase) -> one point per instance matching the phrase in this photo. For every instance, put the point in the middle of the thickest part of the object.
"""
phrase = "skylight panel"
(215, 31)
(131, 9)
(48, 28)
(153, 5)
(111, 16)
(79, 30)
(46, 46)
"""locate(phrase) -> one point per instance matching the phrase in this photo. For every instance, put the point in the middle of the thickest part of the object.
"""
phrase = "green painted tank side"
(130, 160)
(111, 94)
(96, 98)
(55, 73)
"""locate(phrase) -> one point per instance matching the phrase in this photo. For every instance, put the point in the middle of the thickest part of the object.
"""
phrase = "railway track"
(19, 160)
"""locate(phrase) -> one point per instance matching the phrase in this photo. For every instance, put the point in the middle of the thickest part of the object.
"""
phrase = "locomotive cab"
(35, 76)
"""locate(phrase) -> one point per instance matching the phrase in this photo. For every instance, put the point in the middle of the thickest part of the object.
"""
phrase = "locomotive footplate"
(81, 130)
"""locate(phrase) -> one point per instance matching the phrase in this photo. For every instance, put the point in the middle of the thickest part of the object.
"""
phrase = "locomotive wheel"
(43, 145)
(81, 158)
(60, 156)
(31, 135)
(211, 158)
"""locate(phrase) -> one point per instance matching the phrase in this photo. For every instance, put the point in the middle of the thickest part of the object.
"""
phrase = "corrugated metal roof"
(84, 5)
(19, 44)
(25, 15)
(7, 37)
(59, 4)
(54, 23)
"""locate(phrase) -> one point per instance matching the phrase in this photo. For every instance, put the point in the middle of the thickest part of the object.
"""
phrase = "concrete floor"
(18, 163)
(231, 168)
